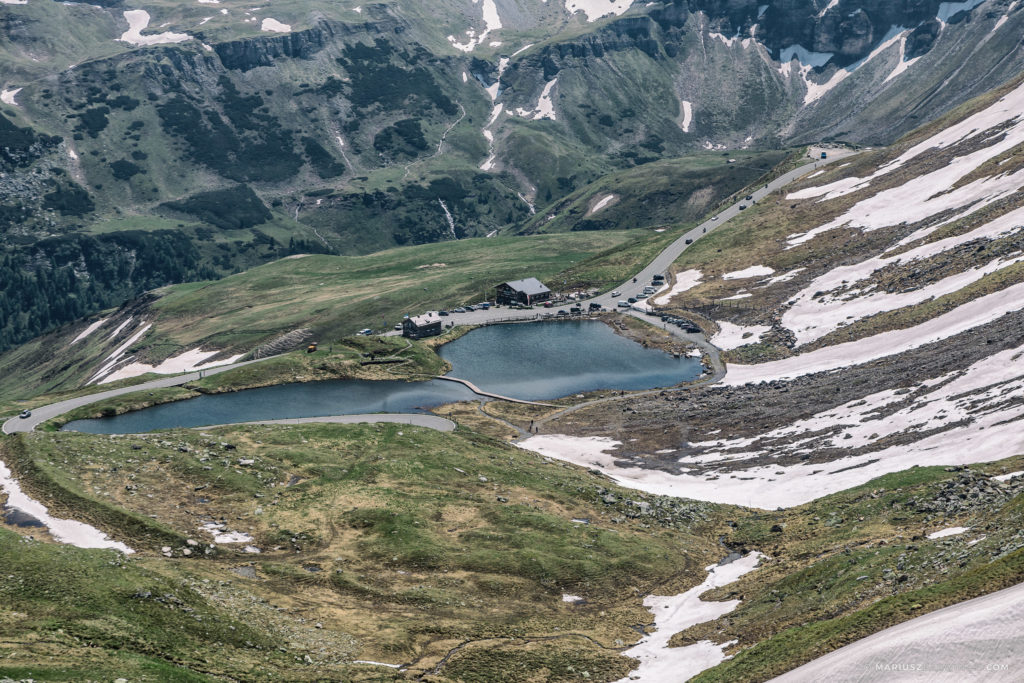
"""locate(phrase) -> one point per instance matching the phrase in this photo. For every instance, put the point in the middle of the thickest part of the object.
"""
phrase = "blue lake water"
(529, 361)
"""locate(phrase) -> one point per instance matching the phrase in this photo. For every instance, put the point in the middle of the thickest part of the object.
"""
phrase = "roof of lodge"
(528, 286)
(425, 319)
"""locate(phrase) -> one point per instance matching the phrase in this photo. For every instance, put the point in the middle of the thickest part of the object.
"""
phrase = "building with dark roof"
(524, 292)
(419, 326)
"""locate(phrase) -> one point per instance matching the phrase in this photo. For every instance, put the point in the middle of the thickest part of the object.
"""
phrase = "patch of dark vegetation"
(404, 139)
(243, 145)
(325, 165)
(93, 121)
(69, 199)
(41, 286)
(377, 80)
(19, 146)
(235, 208)
(368, 221)
(124, 169)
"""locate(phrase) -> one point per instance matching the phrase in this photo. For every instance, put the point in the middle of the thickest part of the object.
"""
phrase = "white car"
(616, 293)
(623, 304)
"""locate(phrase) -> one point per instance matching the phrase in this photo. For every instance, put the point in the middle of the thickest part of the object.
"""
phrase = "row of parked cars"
(682, 323)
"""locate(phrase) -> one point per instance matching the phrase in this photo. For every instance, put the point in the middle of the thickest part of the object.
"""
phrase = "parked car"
(562, 311)
(595, 306)
(398, 326)
(366, 332)
(616, 293)
(623, 304)
(442, 312)
(631, 299)
(642, 295)
(25, 413)
(548, 304)
(714, 218)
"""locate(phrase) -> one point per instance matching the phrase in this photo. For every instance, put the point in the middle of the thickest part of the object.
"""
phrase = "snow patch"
(968, 416)
(68, 531)
(571, 598)
(545, 108)
(1008, 476)
(688, 279)
(732, 336)
(752, 271)
(138, 20)
(89, 330)
(275, 26)
(972, 314)
(492, 22)
(951, 531)
(7, 96)
(221, 534)
(687, 116)
(595, 9)
(603, 202)
(811, 318)
(785, 277)
(189, 361)
(672, 614)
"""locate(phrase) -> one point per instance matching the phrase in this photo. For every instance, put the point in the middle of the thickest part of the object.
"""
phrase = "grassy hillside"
(332, 296)
(854, 563)
(387, 543)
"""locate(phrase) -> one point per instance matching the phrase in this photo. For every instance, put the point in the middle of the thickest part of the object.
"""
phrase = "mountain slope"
(873, 323)
(343, 128)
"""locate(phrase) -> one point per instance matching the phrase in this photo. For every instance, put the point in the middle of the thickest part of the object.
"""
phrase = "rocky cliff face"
(364, 130)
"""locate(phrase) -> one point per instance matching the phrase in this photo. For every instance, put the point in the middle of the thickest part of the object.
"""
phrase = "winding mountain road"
(627, 289)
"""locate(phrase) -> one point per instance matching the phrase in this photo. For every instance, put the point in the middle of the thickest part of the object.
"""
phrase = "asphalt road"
(976, 640)
(661, 262)
(627, 289)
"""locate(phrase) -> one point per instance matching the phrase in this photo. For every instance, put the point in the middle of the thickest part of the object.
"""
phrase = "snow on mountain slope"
(897, 342)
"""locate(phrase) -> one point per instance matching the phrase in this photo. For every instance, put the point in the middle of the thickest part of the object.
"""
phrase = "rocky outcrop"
(249, 53)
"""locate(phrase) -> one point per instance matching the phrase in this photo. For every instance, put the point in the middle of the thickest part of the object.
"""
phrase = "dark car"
(631, 299)
(749, 197)
(595, 306)
(563, 312)
(689, 241)
(442, 312)
(742, 206)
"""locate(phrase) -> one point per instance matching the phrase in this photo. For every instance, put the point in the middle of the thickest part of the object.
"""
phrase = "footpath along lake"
(532, 361)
